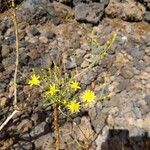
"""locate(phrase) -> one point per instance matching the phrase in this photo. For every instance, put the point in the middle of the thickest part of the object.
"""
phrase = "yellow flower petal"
(65, 102)
(73, 106)
(34, 80)
(75, 85)
(52, 90)
(88, 96)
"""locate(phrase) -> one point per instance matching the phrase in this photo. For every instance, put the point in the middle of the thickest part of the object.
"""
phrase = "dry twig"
(14, 18)
(8, 119)
(17, 51)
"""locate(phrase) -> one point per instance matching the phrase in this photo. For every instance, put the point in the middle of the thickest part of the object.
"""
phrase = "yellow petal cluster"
(52, 90)
(34, 80)
(75, 85)
(88, 96)
(73, 106)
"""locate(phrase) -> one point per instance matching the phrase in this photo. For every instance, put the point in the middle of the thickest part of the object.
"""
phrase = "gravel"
(48, 30)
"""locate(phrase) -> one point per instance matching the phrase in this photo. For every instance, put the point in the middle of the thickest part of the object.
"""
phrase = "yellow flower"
(74, 106)
(75, 85)
(88, 96)
(65, 101)
(52, 90)
(34, 80)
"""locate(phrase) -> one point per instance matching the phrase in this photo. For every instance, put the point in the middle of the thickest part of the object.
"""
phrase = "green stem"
(106, 48)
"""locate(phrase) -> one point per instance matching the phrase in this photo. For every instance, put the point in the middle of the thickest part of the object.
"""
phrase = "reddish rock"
(128, 10)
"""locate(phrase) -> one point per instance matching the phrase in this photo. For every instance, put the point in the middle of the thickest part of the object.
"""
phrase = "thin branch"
(14, 18)
(8, 119)
(98, 58)
(17, 51)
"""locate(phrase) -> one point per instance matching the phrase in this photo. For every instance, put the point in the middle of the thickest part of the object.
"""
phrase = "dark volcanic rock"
(24, 125)
(50, 35)
(137, 132)
(146, 3)
(41, 12)
(107, 62)
(147, 16)
(89, 77)
(53, 15)
(34, 31)
(5, 50)
(46, 61)
(8, 61)
(127, 10)
(58, 12)
(140, 65)
(70, 64)
(127, 72)
(147, 99)
(76, 2)
(5, 5)
(3, 28)
(11, 38)
(123, 85)
(75, 42)
(65, 1)
(137, 53)
(24, 58)
(37, 15)
(91, 13)
(40, 129)
(23, 144)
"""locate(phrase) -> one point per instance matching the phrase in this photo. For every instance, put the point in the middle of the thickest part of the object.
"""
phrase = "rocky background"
(46, 28)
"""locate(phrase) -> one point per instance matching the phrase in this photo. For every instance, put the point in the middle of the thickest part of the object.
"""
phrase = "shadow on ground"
(120, 140)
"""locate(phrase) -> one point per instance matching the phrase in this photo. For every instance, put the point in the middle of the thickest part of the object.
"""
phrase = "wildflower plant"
(62, 90)
(58, 88)
(100, 51)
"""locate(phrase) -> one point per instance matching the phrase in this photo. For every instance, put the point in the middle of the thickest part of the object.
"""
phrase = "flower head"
(88, 96)
(74, 106)
(34, 80)
(75, 85)
(52, 90)
(65, 101)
